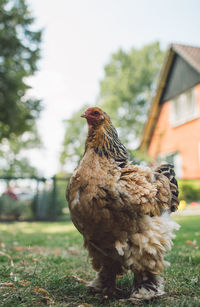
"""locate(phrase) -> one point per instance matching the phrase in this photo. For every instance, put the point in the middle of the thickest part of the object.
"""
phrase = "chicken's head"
(94, 116)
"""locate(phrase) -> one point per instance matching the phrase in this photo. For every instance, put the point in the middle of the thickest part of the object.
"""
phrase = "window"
(173, 158)
(184, 108)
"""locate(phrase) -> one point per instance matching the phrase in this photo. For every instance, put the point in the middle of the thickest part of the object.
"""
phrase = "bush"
(14, 208)
(189, 190)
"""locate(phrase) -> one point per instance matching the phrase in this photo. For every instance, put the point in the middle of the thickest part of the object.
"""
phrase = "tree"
(125, 94)
(13, 163)
(128, 86)
(73, 143)
(19, 53)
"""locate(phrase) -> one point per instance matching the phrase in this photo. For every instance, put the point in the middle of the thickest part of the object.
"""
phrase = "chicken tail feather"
(168, 171)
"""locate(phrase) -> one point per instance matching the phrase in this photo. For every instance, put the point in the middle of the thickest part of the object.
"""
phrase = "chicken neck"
(104, 140)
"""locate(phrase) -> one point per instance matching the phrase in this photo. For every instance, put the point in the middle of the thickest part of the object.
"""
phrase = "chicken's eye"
(96, 113)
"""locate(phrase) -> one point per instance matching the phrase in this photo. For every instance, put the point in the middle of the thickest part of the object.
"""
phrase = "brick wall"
(185, 139)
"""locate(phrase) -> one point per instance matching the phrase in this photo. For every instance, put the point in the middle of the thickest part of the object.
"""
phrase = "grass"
(38, 261)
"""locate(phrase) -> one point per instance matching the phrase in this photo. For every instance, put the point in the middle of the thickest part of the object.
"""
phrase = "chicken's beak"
(83, 115)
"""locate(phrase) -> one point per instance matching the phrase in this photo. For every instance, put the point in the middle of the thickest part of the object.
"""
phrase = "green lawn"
(38, 261)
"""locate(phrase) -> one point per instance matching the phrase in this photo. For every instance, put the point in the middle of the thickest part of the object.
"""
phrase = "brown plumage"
(122, 210)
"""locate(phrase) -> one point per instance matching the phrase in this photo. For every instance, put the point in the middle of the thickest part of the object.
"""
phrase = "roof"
(191, 55)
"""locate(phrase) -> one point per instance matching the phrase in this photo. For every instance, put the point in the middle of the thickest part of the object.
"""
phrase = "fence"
(33, 198)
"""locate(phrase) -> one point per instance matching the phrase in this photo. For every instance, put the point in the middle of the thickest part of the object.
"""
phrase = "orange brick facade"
(185, 139)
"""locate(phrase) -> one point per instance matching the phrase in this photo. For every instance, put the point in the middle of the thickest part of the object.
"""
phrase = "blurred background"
(138, 60)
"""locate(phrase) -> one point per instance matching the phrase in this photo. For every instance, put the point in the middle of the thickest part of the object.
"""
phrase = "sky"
(78, 40)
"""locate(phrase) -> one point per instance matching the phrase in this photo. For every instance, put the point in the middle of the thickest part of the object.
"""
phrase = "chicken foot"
(146, 286)
(105, 280)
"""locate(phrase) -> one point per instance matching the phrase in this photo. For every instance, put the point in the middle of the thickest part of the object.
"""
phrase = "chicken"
(122, 211)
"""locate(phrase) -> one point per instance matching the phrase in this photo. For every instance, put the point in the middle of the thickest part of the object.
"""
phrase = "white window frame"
(184, 108)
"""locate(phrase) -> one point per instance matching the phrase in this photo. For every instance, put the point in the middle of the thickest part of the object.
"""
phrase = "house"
(172, 130)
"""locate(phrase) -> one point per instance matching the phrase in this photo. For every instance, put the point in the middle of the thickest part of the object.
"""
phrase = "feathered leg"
(147, 286)
(105, 278)
(145, 255)
(107, 269)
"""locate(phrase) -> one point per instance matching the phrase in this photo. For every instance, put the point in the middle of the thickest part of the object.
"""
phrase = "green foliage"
(74, 139)
(14, 208)
(128, 86)
(12, 162)
(18, 60)
(50, 204)
(19, 55)
(125, 93)
(189, 190)
(137, 156)
(62, 210)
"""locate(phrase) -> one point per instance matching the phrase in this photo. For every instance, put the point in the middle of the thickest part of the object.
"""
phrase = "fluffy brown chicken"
(122, 211)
